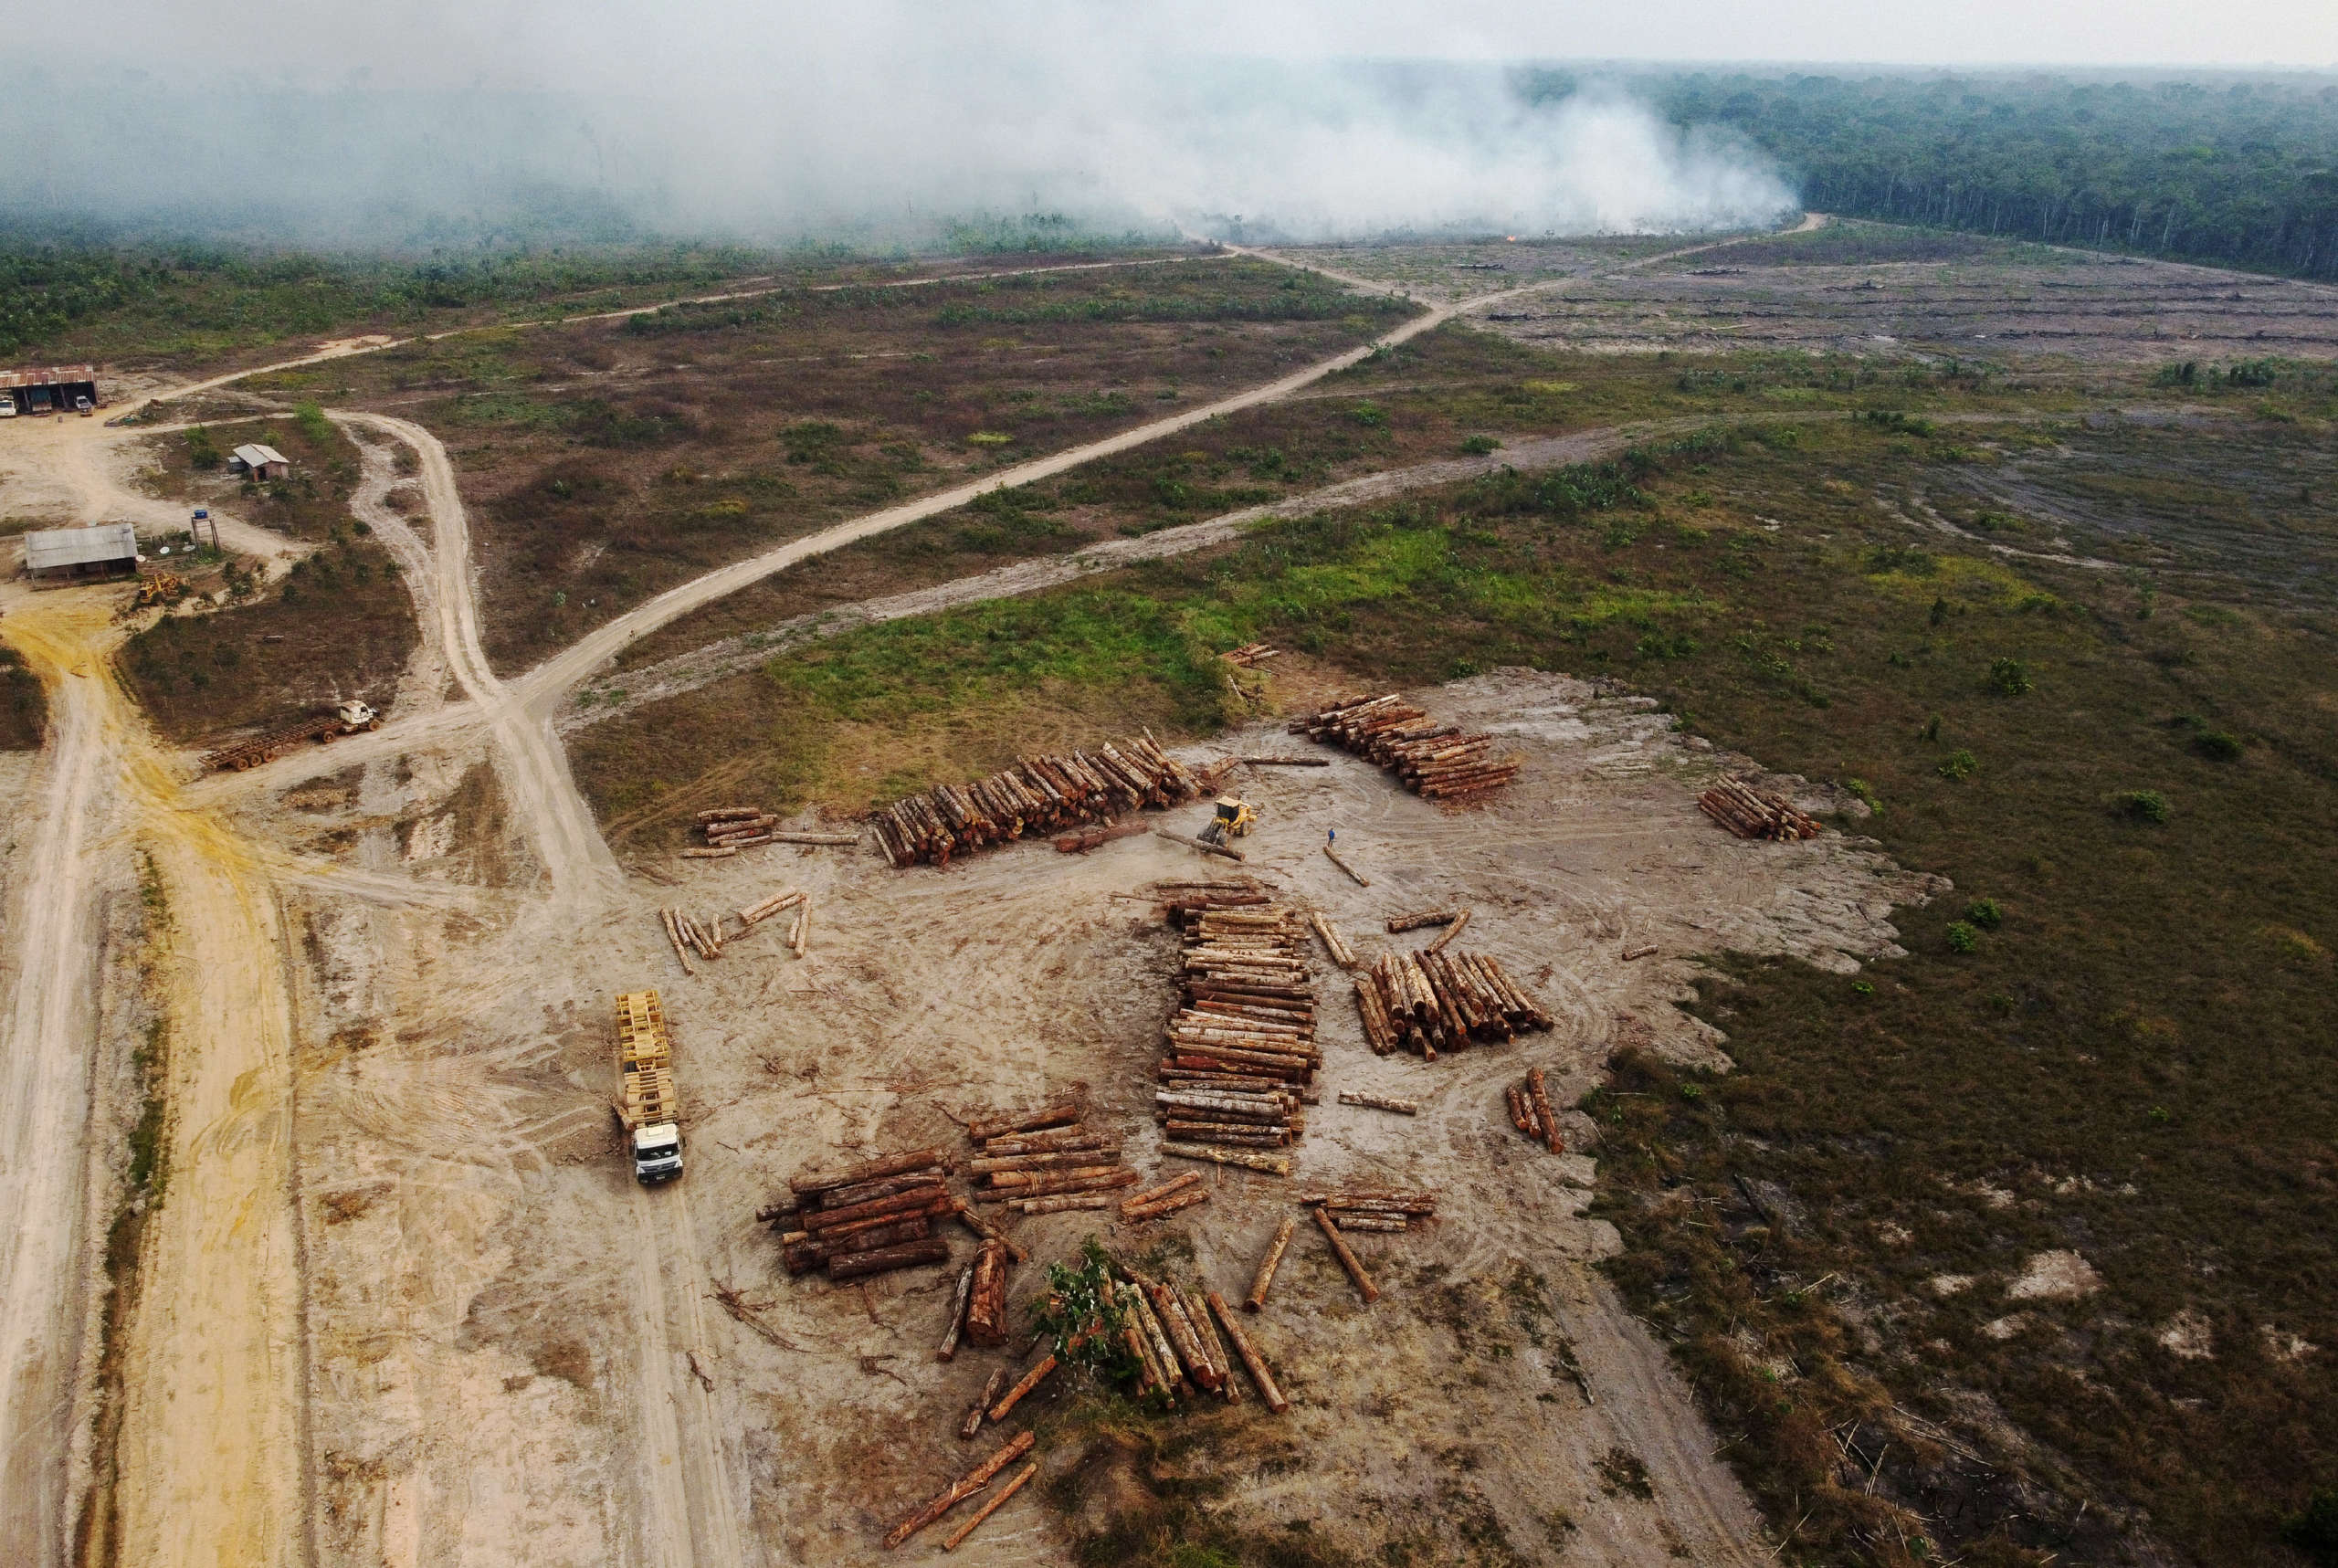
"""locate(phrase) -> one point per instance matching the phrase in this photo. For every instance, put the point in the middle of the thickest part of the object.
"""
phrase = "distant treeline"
(2236, 172)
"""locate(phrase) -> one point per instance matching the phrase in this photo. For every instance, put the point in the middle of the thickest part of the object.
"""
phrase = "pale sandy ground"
(515, 1359)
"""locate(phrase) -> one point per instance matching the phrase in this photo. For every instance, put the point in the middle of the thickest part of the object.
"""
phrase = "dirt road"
(47, 1037)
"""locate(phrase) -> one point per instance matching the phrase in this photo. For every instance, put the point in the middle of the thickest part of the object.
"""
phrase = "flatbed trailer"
(647, 1106)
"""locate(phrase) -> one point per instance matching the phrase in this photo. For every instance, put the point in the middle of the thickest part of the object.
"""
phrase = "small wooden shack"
(261, 462)
(77, 554)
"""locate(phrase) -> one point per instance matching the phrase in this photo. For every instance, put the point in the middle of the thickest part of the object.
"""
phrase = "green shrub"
(1962, 938)
(2313, 1530)
(1478, 445)
(202, 451)
(2009, 677)
(2140, 805)
(1985, 913)
(2217, 746)
(1370, 416)
(1866, 792)
(313, 423)
(1959, 765)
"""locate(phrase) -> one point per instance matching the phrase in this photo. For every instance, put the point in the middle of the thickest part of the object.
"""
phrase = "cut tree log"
(948, 1350)
(1272, 1164)
(1064, 1202)
(1168, 1205)
(723, 854)
(1286, 761)
(1381, 1102)
(1212, 1342)
(1264, 1280)
(1538, 1092)
(1372, 1221)
(1461, 922)
(1165, 1351)
(1185, 1338)
(1360, 879)
(1204, 844)
(1364, 1286)
(991, 1391)
(1334, 944)
(1056, 1115)
(1261, 1375)
(839, 839)
(884, 1259)
(1167, 1189)
(986, 1230)
(1634, 953)
(996, 1502)
(1030, 1380)
(962, 1489)
(986, 1304)
(869, 1170)
(1414, 918)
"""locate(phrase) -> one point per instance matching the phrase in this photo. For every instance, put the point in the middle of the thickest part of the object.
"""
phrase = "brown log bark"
(948, 1350)
(839, 839)
(1263, 1282)
(884, 1259)
(836, 1198)
(873, 1169)
(1185, 1338)
(1163, 1350)
(987, 1305)
(1381, 1102)
(1166, 1189)
(1346, 1221)
(988, 1165)
(1414, 918)
(1366, 1198)
(991, 1391)
(1061, 1140)
(1537, 1091)
(1055, 1115)
(1030, 1380)
(987, 1231)
(997, 1500)
(1459, 924)
(1261, 1375)
(965, 1487)
(1212, 1343)
(1048, 1186)
(886, 1230)
(1348, 1261)
(1272, 1164)
(1168, 1205)
(1334, 856)
(1064, 1202)
(913, 1200)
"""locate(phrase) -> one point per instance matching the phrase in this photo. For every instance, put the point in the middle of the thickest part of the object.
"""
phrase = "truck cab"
(656, 1153)
(7, 406)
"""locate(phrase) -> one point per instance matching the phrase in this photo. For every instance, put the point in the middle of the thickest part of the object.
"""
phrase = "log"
(674, 935)
(1263, 1282)
(1460, 922)
(1381, 1102)
(1052, 1186)
(1154, 1195)
(948, 1351)
(1056, 1140)
(991, 1391)
(1204, 844)
(1634, 953)
(1416, 918)
(1360, 879)
(886, 1230)
(723, 854)
(986, 1304)
(1364, 1284)
(1185, 1338)
(1030, 1380)
(884, 1259)
(917, 1200)
(1287, 762)
(1334, 944)
(1167, 1206)
(1064, 1202)
(1260, 1373)
(986, 1230)
(1516, 1097)
(839, 839)
(1359, 1197)
(836, 1198)
(1212, 1342)
(1538, 1092)
(1272, 1164)
(1165, 1351)
(730, 813)
(869, 1170)
(1056, 1115)
(799, 934)
(1372, 1221)
(997, 1500)
(962, 1489)
(992, 1165)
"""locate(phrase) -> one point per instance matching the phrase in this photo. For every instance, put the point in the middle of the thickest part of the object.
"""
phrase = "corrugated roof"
(254, 455)
(53, 547)
(46, 376)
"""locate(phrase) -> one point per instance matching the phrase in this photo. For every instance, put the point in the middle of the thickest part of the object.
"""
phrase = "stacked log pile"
(1045, 1162)
(1181, 902)
(1037, 795)
(1752, 814)
(1358, 1208)
(1179, 1337)
(1436, 762)
(1240, 1050)
(1432, 1002)
(1250, 655)
(1530, 1112)
(873, 1218)
(727, 829)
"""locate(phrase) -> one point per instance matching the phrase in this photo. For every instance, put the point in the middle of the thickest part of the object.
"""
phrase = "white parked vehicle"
(7, 406)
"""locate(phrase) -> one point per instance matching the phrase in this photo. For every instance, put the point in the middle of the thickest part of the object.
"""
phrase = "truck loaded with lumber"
(648, 1107)
(345, 718)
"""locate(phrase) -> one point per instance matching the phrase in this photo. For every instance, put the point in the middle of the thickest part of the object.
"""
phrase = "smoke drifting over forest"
(891, 123)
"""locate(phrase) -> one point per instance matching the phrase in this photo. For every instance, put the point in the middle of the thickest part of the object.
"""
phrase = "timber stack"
(1435, 762)
(1361, 1209)
(875, 1217)
(1240, 1049)
(729, 828)
(1182, 902)
(1428, 1003)
(1530, 1112)
(1045, 1162)
(1753, 813)
(1038, 794)
(1250, 655)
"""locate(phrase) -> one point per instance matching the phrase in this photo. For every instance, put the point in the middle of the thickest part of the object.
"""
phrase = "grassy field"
(340, 625)
(2107, 1040)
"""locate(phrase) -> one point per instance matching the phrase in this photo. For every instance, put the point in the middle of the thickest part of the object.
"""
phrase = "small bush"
(1985, 913)
(1962, 937)
(202, 451)
(2217, 746)
(2009, 677)
(2313, 1530)
(1370, 416)
(1866, 792)
(1478, 445)
(1959, 765)
(2140, 805)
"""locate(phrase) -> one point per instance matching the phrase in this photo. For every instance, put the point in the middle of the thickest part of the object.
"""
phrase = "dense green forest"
(2238, 172)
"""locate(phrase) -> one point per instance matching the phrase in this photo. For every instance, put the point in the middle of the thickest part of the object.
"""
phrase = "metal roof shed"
(266, 462)
(97, 551)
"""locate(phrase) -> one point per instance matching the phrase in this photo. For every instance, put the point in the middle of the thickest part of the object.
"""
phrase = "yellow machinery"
(1234, 819)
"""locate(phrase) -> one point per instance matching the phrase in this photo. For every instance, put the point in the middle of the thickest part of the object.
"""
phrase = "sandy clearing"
(48, 1034)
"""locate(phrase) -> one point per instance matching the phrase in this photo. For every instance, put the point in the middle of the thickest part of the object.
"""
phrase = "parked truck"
(648, 1107)
(346, 718)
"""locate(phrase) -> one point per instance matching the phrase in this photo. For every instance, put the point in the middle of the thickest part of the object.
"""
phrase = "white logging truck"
(648, 1108)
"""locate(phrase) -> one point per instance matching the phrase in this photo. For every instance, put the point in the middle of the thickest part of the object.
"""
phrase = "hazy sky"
(556, 42)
